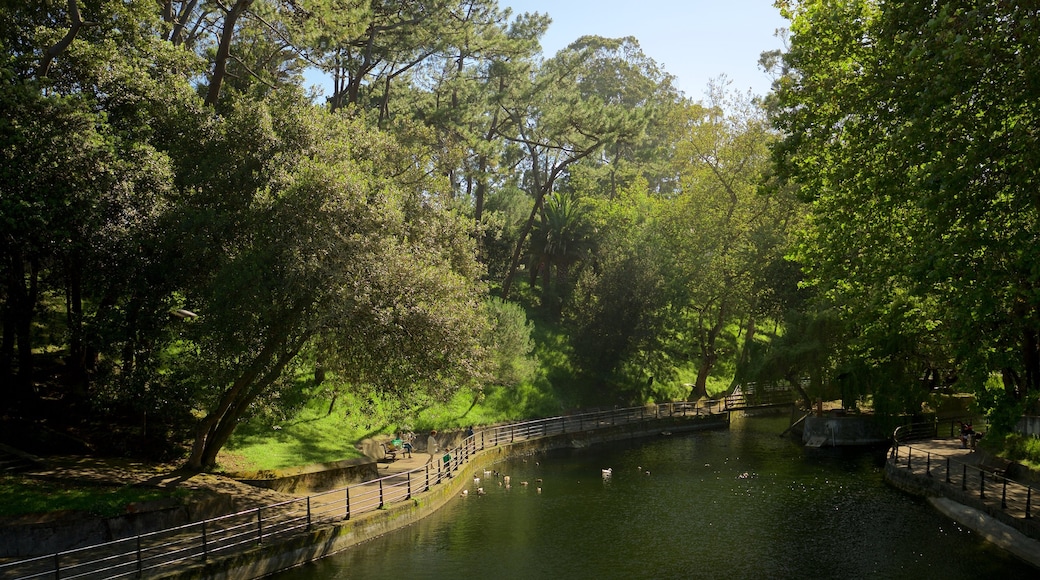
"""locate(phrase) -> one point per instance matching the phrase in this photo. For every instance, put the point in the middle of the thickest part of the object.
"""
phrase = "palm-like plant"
(559, 240)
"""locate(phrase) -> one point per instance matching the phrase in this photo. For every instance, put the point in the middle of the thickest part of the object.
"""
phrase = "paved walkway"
(1001, 510)
(283, 514)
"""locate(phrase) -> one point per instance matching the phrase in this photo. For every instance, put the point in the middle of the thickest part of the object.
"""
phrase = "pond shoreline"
(327, 540)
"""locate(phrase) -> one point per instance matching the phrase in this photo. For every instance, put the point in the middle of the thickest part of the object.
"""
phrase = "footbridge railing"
(759, 396)
(149, 554)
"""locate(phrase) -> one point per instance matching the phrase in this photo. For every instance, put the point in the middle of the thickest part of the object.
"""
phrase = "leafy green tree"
(510, 344)
(906, 127)
(723, 230)
(615, 314)
(84, 171)
(558, 124)
(340, 249)
(620, 73)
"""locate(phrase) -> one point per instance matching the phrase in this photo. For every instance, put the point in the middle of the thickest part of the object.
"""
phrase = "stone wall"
(838, 431)
(313, 478)
(925, 486)
(61, 531)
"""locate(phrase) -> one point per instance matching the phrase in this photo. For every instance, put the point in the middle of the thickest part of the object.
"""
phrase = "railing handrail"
(201, 544)
(999, 478)
(924, 429)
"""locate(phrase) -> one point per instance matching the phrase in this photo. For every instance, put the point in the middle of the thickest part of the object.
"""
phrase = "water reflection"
(743, 503)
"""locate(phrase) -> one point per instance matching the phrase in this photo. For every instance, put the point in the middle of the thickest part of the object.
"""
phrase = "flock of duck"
(505, 480)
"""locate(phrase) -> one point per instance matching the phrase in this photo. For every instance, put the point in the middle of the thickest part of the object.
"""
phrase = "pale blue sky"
(694, 40)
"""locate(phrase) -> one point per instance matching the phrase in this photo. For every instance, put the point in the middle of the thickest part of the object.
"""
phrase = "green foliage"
(510, 341)
(905, 126)
(342, 254)
(1016, 447)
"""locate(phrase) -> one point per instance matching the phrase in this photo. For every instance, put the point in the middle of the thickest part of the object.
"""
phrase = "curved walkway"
(962, 485)
(274, 535)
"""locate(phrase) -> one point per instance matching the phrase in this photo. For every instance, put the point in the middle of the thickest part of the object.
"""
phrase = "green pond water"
(741, 503)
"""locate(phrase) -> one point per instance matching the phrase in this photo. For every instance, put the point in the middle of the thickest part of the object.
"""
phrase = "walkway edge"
(988, 527)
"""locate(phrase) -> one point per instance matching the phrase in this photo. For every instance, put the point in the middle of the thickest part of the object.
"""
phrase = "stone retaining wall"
(925, 486)
(313, 478)
(62, 531)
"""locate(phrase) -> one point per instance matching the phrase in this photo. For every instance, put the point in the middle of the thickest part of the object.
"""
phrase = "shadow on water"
(743, 503)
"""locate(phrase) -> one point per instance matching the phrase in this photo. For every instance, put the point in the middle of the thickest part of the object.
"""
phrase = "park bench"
(391, 449)
(995, 465)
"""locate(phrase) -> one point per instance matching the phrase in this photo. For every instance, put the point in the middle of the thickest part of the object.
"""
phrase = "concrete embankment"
(947, 492)
(326, 540)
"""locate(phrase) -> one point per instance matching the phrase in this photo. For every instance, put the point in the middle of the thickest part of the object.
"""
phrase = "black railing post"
(947, 470)
(964, 477)
(982, 484)
(205, 546)
(259, 526)
(409, 475)
(1003, 495)
(928, 464)
(427, 477)
(346, 493)
(308, 512)
(380, 492)
(909, 453)
(1029, 499)
(140, 563)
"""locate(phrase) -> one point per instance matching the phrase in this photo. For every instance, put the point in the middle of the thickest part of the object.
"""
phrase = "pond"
(742, 503)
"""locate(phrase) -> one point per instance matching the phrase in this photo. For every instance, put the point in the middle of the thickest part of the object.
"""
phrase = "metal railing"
(762, 396)
(143, 555)
(987, 483)
(927, 429)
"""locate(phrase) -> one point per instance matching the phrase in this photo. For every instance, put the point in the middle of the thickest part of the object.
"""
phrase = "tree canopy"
(908, 127)
(868, 228)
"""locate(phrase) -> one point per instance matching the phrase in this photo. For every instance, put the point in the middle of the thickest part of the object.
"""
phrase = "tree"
(557, 123)
(906, 127)
(615, 317)
(559, 239)
(342, 250)
(84, 177)
(724, 230)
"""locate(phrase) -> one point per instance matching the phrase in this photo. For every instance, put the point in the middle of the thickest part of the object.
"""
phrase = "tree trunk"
(77, 360)
(62, 45)
(1030, 359)
(541, 190)
(220, 432)
(745, 352)
(227, 35)
(709, 354)
(22, 287)
(216, 427)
